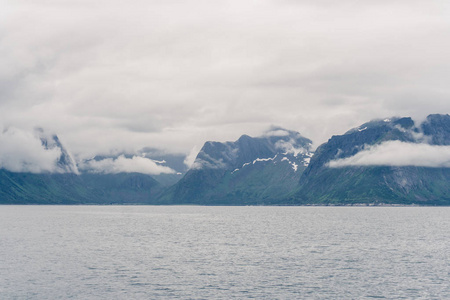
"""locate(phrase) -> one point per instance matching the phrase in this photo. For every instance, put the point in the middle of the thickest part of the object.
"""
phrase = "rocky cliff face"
(258, 170)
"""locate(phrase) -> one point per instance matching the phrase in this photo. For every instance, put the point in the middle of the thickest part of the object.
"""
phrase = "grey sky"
(122, 75)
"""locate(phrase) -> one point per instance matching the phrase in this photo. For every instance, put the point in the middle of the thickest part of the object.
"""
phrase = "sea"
(198, 252)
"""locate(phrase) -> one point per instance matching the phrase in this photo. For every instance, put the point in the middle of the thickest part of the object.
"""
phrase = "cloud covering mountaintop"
(419, 145)
(398, 154)
(114, 76)
(32, 152)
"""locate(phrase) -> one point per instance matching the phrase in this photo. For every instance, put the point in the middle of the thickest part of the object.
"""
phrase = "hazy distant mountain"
(121, 188)
(383, 161)
(172, 160)
(259, 170)
(170, 167)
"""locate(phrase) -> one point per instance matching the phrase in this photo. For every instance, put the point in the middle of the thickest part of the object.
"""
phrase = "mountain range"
(409, 182)
(389, 161)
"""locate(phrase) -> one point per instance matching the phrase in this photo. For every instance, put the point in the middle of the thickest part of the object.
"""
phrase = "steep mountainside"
(69, 188)
(371, 183)
(261, 170)
(29, 188)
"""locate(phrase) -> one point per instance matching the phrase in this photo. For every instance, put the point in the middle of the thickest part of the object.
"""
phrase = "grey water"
(194, 252)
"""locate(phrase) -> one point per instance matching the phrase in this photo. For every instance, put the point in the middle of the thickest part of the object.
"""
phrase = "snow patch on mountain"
(161, 162)
(292, 163)
(306, 161)
(264, 159)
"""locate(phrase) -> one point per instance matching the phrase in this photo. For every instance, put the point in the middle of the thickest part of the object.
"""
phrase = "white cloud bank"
(396, 153)
(136, 164)
(22, 151)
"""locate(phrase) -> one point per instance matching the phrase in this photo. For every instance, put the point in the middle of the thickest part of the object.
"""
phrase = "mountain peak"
(405, 123)
(249, 169)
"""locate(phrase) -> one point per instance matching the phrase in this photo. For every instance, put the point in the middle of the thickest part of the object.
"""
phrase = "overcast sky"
(109, 75)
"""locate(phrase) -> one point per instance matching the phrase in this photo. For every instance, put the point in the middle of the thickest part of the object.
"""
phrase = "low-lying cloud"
(190, 158)
(22, 151)
(207, 162)
(289, 147)
(396, 153)
(121, 164)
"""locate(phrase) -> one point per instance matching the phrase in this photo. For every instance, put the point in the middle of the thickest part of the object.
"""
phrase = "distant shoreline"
(281, 205)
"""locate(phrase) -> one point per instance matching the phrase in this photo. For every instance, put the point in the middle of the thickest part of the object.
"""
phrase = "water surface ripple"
(193, 252)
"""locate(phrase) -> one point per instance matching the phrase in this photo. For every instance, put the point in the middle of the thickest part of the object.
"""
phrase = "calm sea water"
(191, 252)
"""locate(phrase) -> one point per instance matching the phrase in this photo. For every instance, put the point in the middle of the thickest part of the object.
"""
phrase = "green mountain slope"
(27, 188)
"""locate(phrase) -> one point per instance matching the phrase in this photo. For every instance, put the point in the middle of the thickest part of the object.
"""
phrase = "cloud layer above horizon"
(117, 76)
(398, 154)
(122, 164)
